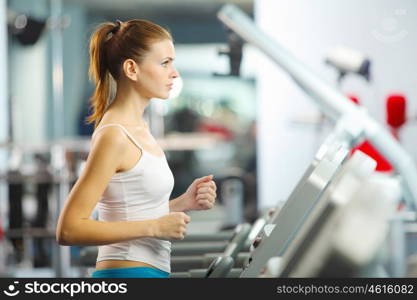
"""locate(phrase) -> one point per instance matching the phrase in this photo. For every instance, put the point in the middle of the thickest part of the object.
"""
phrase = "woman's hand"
(200, 195)
(172, 226)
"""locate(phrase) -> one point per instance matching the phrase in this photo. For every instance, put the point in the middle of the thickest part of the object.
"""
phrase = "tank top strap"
(130, 136)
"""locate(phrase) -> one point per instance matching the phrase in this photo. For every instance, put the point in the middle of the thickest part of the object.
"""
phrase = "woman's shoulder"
(111, 137)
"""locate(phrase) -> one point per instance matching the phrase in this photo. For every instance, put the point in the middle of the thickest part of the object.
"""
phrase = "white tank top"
(140, 193)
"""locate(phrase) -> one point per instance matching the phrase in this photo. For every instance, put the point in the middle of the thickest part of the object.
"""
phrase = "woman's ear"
(131, 69)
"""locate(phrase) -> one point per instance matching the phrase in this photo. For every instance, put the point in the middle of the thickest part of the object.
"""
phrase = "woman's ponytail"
(99, 72)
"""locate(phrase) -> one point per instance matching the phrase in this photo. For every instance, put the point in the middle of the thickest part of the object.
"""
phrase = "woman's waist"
(135, 253)
(139, 245)
(113, 264)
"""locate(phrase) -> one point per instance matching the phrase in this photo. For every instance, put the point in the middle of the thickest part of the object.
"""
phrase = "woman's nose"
(175, 74)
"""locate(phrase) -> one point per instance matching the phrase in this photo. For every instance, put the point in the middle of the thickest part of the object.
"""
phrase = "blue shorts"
(137, 272)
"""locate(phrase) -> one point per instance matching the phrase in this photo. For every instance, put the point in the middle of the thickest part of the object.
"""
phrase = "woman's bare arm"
(74, 225)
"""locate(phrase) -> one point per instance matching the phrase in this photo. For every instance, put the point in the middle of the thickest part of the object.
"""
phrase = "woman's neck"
(128, 107)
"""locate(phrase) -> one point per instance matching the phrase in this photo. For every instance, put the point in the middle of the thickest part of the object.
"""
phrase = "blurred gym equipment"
(283, 226)
(347, 60)
(353, 124)
(343, 236)
(396, 113)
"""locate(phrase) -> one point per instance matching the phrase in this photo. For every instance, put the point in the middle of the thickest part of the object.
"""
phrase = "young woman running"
(126, 171)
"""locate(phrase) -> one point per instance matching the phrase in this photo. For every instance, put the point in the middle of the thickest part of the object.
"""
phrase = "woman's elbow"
(62, 237)
(64, 233)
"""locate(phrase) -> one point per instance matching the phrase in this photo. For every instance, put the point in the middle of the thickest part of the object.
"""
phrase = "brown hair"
(110, 45)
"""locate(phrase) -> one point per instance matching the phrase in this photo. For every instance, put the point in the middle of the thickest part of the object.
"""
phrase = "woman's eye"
(165, 63)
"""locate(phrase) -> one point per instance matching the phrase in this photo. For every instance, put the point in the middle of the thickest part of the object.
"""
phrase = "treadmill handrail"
(331, 102)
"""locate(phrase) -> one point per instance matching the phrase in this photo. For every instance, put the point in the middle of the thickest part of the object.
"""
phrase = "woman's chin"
(164, 96)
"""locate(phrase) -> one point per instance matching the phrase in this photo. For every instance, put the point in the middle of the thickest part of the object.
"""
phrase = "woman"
(126, 171)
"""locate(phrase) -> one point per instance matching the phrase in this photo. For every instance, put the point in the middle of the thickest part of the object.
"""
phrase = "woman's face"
(156, 71)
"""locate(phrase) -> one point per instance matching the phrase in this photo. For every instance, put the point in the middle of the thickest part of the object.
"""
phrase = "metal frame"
(334, 236)
(356, 123)
(284, 224)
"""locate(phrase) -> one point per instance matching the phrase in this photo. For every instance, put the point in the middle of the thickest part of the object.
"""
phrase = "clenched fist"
(172, 226)
(201, 194)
